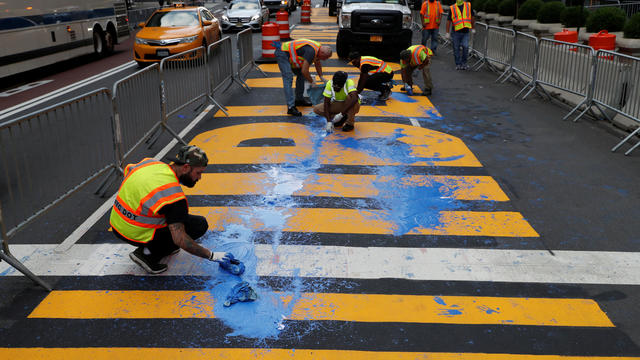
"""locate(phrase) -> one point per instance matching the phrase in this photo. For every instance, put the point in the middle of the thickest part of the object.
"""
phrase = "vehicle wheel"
(97, 43)
(108, 43)
(342, 47)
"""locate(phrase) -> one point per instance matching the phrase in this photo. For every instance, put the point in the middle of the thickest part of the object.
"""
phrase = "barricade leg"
(23, 269)
(583, 102)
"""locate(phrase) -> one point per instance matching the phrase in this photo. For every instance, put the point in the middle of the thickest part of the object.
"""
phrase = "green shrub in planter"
(632, 28)
(529, 9)
(550, 12)
(574, 16)
(491, 6)
(507, 8)
(478, 5)
(607, 18)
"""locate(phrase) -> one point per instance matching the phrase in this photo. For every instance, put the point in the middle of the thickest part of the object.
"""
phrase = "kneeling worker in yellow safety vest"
(416, 57)
(341, 102)
(375, 74)
(151, 211)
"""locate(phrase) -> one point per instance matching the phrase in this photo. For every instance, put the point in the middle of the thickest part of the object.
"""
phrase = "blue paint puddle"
(410, 205)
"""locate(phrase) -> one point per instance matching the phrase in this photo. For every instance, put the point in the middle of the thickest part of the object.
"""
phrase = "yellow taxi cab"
(172, 30)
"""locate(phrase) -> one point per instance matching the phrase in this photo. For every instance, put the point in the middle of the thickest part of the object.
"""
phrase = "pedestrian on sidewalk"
(416, 57)
(151, 211)
(431, 13)
(463, 18)
(341, 102)
(295, 57)
(375, 74)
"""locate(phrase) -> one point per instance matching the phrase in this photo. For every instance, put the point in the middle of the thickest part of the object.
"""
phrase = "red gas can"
(566, 36)
(603, 40)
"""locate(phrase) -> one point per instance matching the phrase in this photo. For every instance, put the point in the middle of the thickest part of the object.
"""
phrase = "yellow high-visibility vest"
(146, 188)
(292, 46)
(373, 61)
(461, 20)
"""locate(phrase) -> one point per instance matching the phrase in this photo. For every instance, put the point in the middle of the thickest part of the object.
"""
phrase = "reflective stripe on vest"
(463, 20)
(147, 187)
(370, 60)
(427, 17)
(297, 44)
(415, 53)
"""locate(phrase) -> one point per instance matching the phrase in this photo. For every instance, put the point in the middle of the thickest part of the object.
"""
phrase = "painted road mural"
(389, 242)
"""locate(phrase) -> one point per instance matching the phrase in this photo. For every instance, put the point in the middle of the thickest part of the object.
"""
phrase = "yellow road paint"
(171, 304)
(325, 69)
(375, 222)
(421, 108)
(350, 186)
(276, 82)
(427, 147)
(133, 353)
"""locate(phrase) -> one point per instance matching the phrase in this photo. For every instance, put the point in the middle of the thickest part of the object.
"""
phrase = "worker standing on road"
(151, 210)
(295, 57)
(431, 13)
(462, 17)
(341, 102)
(416, 56)
(375, 74)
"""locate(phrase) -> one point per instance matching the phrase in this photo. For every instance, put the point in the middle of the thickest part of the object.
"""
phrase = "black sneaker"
(303, 102)
(293, 111)
(385, 93)
(146, 262)
(347, 127)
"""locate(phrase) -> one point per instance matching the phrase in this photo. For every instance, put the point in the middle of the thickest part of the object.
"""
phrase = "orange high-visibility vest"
(426, 18)
(459, 20)
(370, 60)
(415, 54)
(293, 46)
(146, 188)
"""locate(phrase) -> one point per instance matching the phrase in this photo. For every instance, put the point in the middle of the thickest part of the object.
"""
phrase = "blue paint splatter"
(450, 312)
(439, 301)
(489, 310)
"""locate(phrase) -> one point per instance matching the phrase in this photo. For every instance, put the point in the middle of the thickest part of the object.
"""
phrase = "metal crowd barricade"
(565, 66)
(136, 120)
(525, 59)
(416, 20)
(616, 87)
(220, 67)
(501, 49)
(478, 47)
(247, 62)
(47, 156)
(443, 29)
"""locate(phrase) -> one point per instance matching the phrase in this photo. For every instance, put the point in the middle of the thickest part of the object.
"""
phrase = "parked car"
(243, 14)
(275, 5)
(173, 30)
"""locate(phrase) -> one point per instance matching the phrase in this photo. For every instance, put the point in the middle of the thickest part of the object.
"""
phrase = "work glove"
(447, 36)
(473, 31)
(329, 127)
(228, 262)
(337, 118)
(221, 256)
(408, 89)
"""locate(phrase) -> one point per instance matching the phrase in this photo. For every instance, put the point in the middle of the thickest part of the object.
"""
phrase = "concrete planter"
(522, 25)
(544, 30)
(504, 21)
(628, 46)
(480, 15)
(491, 19)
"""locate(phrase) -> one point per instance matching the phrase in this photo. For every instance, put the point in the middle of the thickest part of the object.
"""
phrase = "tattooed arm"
(184, 241)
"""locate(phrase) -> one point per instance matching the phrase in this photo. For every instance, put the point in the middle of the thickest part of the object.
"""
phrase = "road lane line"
(343, 262)
(46, 97)
(481, 188)
(178, 304)
(140, 353)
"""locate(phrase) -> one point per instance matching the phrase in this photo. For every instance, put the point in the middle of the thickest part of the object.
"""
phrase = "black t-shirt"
(368, 67)
(307, 53)
(461, 7)
(176, 212)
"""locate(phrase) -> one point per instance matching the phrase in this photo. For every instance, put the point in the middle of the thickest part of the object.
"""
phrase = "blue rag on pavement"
(315, 94)
(241, 292)
(232, 265)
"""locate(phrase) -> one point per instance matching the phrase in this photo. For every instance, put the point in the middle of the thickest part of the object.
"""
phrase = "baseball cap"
(190, 155)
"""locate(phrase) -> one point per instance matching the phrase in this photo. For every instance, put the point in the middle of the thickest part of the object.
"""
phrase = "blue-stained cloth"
(241, 292)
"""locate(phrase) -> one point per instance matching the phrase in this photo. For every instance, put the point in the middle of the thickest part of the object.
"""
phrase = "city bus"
(35, 33)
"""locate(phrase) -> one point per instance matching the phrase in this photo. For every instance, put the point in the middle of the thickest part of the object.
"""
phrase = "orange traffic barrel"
(269, 35)
(603, 40)
(282, 19)
(305, 12)
(566, 36)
